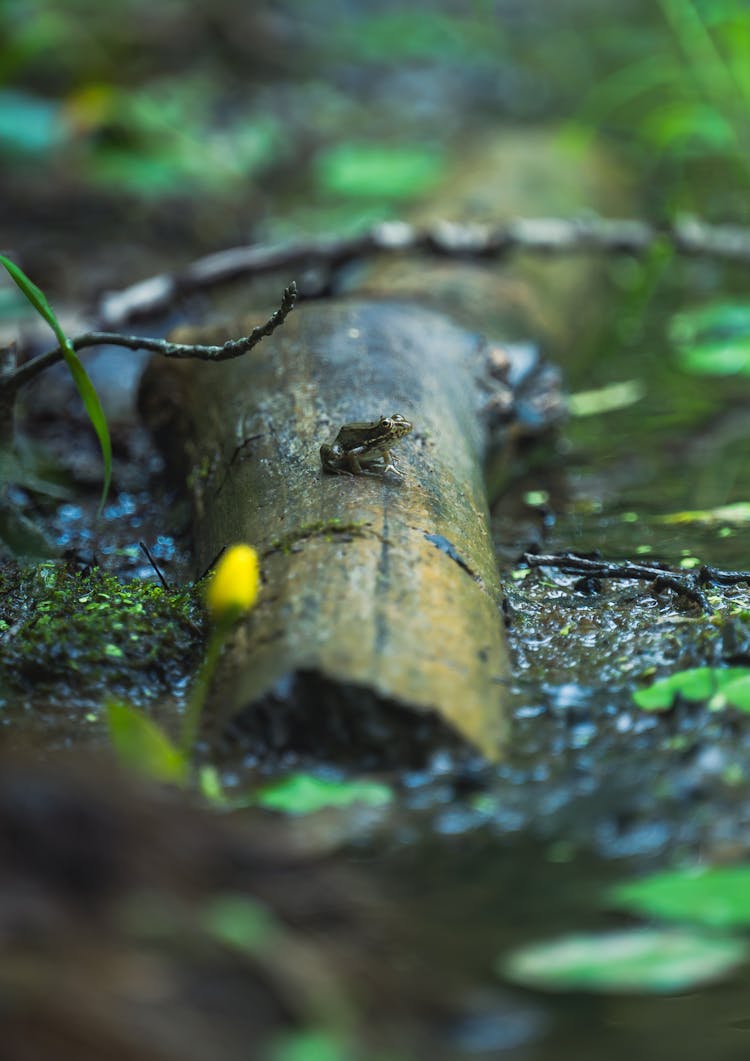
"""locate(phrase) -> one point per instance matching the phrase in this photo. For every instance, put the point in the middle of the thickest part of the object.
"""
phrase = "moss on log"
(378, 632)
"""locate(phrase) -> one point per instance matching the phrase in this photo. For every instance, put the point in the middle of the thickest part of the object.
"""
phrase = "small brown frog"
(357, 447)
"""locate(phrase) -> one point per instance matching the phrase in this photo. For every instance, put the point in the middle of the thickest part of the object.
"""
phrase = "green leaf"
(96, 415)
(646, 960)
(696, 684)
(141, 745)
(379, 170)
(83, 384)
(29, 124)
(688, 125)
(713, 339)
(211, 787)
(739, 512)
(723, 357)
(717, 318)
(305, 794)
(240, 922)
(35, 296)
(719, 898)
(606, 399)
(735, 694)
(310, 1045)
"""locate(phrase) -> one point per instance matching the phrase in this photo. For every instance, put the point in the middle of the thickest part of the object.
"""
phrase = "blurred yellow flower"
(233, 588)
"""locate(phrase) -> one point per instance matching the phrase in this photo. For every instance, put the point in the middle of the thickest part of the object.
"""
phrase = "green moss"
(327, 529)
(82, 636)
(201, 472)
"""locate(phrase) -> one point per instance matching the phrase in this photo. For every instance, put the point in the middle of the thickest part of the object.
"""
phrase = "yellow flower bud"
(234, 586)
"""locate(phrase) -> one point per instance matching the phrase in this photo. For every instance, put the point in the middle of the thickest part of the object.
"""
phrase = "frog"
(359, 446)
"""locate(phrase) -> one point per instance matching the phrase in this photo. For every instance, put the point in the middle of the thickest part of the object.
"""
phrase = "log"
(378, 633)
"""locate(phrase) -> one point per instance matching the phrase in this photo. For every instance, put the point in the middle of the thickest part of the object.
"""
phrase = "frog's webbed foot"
(389, 464)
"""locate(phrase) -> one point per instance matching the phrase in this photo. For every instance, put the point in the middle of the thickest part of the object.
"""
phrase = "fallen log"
(378, 634)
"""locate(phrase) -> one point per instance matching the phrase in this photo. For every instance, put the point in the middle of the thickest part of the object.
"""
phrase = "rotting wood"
(378, 633)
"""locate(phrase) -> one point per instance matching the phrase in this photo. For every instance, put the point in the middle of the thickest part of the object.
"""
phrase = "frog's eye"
(386, 421)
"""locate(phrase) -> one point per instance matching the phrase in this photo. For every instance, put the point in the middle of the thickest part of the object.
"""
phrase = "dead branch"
(683, 583)
(228, 350)
(546, 236)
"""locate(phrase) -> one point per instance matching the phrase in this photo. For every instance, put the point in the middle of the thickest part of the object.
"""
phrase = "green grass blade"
(35, 296)
(84, 386)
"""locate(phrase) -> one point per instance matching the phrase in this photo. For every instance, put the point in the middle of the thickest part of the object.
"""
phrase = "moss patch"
(85, 636)
(327, 529)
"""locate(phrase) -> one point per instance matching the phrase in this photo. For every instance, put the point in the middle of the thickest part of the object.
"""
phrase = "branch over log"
(546, 236)
(200, 352)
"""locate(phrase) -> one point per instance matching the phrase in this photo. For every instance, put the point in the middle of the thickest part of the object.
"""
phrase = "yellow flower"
(233, 588)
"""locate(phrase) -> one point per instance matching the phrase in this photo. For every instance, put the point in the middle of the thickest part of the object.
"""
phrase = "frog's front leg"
(389, 464)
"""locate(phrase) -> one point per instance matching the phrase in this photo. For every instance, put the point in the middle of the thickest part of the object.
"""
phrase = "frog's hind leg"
(353, 464)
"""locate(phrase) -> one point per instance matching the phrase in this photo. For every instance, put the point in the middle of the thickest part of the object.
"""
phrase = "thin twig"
(230, 349)
(716, 576)
(546, 236)
(150, 558)
(683, 583)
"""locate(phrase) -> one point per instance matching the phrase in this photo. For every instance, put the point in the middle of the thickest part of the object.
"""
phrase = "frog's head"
(395, 426)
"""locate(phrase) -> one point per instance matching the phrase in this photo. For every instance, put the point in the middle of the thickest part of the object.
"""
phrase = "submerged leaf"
(646, 960)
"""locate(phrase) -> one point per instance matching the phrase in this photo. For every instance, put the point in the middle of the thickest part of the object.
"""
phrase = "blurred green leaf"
(689, 125)
(310, 1045)
(606, 399)
(409, 34)
(239, 921)
(646, 960)
(739, 513)
(142, 746)
(81, 379)
(698, 683)
(734, 694)
(379, 170)
(713, 340)
(717, 320)
(305, 794)
(721, 358)
(28, 124)
(717, 898)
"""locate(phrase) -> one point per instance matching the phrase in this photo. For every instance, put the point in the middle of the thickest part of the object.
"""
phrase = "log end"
(308, 713)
